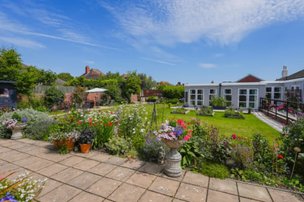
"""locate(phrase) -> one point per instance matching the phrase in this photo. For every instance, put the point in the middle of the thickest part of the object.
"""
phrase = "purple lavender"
(8, 197)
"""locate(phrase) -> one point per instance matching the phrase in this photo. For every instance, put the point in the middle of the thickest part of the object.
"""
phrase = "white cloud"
(207, 65)
(224, 22)
(159, 61)
(21, 42)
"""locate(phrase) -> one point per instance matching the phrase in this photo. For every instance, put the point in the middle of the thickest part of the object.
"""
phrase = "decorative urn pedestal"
(173, 158)
(17, 131)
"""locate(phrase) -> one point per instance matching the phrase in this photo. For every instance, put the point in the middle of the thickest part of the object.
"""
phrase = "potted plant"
(85, 140)
(63, 140)
(16, 124)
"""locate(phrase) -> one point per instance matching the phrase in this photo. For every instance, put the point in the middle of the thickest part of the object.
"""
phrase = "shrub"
(205, 111)
(153, 151)
(231, 113)
(53, 97)
(214, 170)
(172, 101)
(35, 122)
(218, 102)
(179, 111)
(118, 145)
(152, 99)
(262, 153)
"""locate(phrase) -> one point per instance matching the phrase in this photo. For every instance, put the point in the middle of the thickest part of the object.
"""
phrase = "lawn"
(242, 127)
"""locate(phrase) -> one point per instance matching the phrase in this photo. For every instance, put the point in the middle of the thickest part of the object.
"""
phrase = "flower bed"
(205, 111)
(233, 114)
(179, 111)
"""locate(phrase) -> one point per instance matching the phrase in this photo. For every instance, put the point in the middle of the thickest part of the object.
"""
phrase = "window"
(212, 93)
(277, 93)
(186, 96)
(199, 97)
(248, 98)
(228, 96)
(192, 97)
(268, 92)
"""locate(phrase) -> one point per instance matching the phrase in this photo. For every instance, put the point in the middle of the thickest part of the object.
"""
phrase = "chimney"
(284, 72)
(87, 69)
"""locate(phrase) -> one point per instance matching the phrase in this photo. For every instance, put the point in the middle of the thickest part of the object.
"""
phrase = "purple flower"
(178, 131)
(8, 197)
(24, 119)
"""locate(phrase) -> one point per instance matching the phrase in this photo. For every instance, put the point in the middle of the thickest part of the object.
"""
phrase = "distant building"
(246, 92)
(8, 94)
(91, 73)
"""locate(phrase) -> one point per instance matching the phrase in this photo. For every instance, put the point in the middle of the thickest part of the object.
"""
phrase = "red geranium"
(280, 156)
(233, 136)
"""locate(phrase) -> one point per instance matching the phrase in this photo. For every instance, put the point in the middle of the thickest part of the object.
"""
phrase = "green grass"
(241, 127)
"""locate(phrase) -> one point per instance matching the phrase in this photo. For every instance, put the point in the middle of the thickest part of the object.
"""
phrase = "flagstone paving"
(98, 176)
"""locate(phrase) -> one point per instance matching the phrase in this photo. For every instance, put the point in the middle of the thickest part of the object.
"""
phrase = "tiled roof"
(297, 75)
(249, 78)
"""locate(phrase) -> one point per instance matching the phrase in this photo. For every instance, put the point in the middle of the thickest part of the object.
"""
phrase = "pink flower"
(233, 136)
(187, 137)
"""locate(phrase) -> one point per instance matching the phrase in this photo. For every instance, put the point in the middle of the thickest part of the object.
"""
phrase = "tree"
(26, 79)
(53, 97)
(79, 96)
(47, 77)
(146, 82)
(10, 63)
(131, 85)
(173, 91)
(65, 76)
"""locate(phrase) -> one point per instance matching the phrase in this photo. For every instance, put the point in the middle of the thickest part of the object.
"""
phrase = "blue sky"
(192, 41)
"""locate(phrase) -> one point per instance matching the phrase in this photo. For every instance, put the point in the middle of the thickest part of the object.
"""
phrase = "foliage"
(131, 85)
(205, 111)
(118, 145)
(292, 146)
(172, 101)
(86, 136)
(79, 96)
(218, 102)
(214, 170)
(23, 188)
(231, 113)
(53, 97)
(147, 82)
(152, 99)
(171, 92)
(179, 111)
(153, 151)
(65, 76)
(37, 124)
(133, 123)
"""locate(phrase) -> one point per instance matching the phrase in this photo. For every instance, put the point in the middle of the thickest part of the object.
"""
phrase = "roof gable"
(297, 75)
(249, 78)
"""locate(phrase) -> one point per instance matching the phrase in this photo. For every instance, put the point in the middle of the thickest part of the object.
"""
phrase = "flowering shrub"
(133, 123)
(174, 130)
(34, 121)
(23, 188)
(9, 123)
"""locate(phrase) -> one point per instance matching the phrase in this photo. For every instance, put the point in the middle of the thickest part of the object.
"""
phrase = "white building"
(246, 92)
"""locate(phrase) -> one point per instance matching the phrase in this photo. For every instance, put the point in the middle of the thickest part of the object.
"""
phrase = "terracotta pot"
(85, 148)
(69, 143)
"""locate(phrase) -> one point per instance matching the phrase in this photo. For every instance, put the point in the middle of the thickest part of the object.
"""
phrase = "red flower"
(79, 122)
(110, 124)
(187, 137)
(233, 136)
(280, 156)
(181, 123)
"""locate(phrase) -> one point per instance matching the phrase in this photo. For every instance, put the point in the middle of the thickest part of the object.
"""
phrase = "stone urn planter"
(17, 131)
(173, 158)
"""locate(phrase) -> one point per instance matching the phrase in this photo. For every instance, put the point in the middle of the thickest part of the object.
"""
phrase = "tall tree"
(65, 76)
(10, 64)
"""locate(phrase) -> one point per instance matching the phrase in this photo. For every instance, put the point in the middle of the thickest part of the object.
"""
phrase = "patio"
(98, 176)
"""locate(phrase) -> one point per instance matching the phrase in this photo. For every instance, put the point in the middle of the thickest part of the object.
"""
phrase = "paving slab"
(84, 180)
(228, 186)
(67, 175)
(52, 169)
(121, 174)
(104, 187)
(191, 193)
(86, 164)
(84, 196)
(150, 196)
(133, 164)
(151, 168)
(115, 160)
(100, 156)
(73, 160)
(49, 186)
(60, 194)
(196, 179)
(247, 200)
(141, 179)
(103, 169)
(215, 196)
(282, 196)
(164, 186)
(253, 192)
(127, 193)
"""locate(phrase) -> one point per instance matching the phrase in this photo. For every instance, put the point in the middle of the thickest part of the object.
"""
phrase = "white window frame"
(256, 103)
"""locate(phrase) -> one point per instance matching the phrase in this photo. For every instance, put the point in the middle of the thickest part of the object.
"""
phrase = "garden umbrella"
(96, 90)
